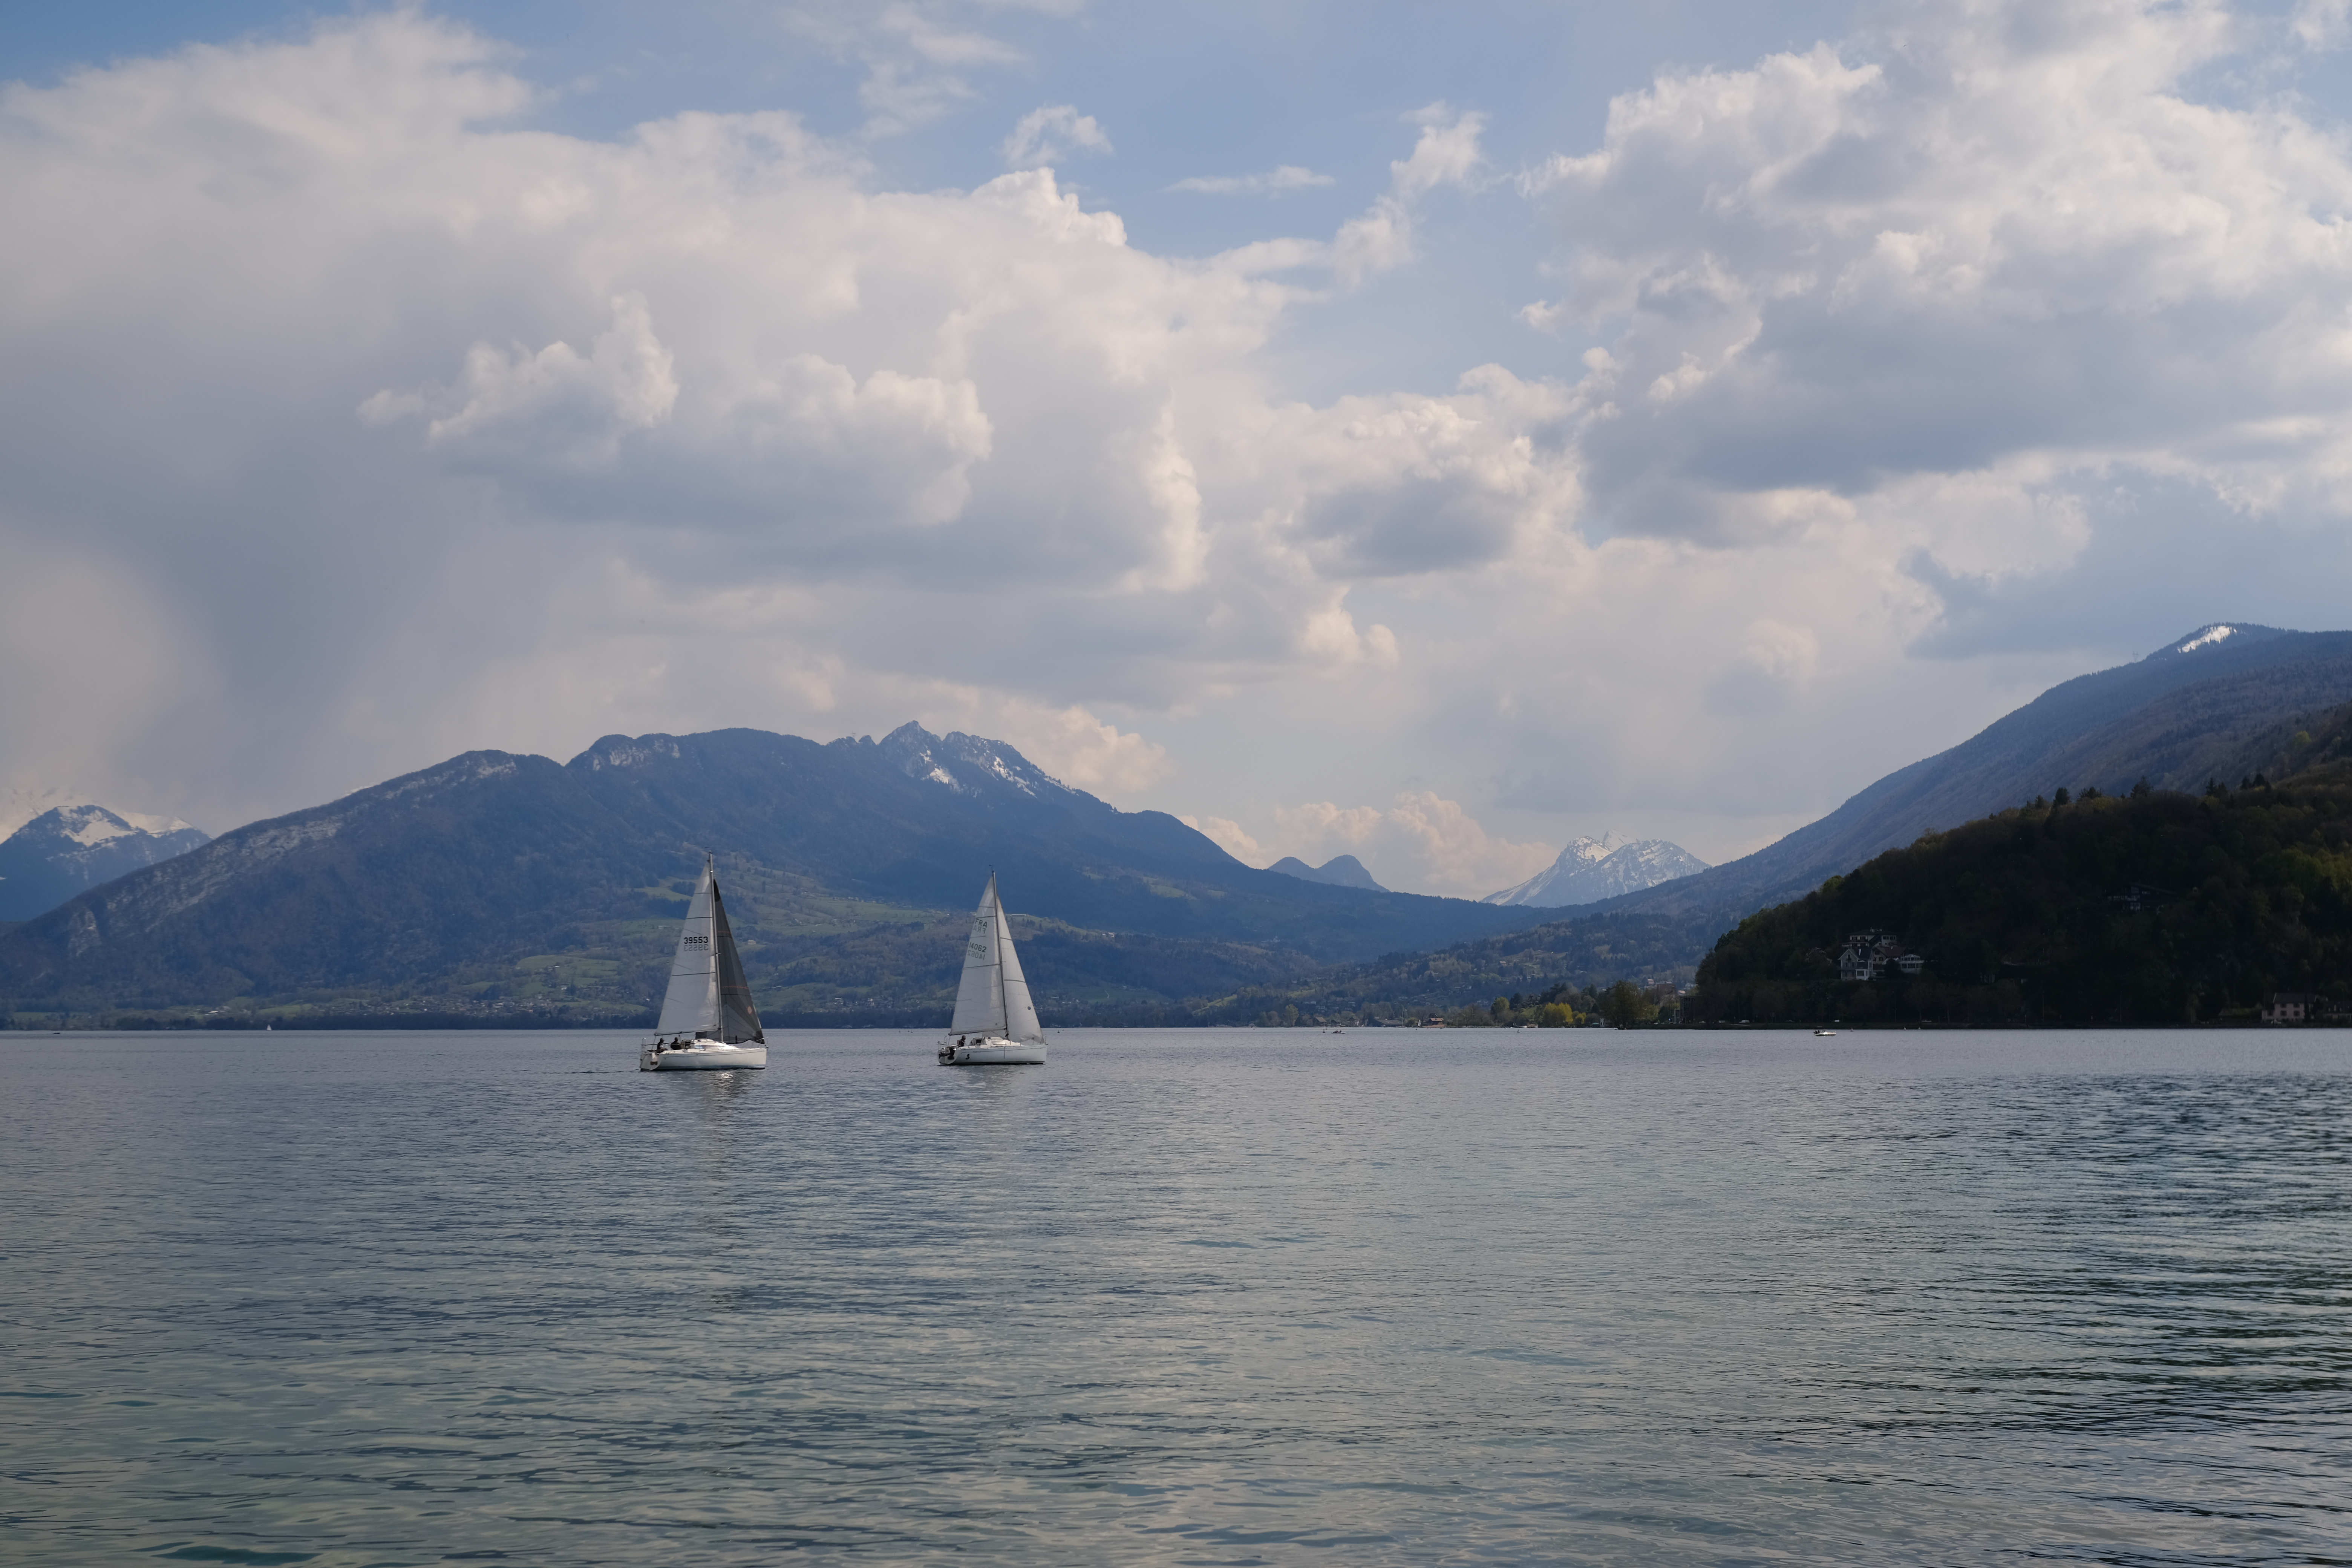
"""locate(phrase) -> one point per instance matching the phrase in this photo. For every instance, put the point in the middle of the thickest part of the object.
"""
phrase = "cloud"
(2322, 24)
(1775, 664)
(1421, 841)
(1892, 376)
(525, 438)
(918, 62)
(1228, 835)
(1050, 134)
(1982, 263)
(1382, 239)
(1286, 177)
(571, 408)
(1073, 746)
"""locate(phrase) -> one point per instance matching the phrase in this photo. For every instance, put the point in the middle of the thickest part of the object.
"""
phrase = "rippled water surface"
(1187, 1298)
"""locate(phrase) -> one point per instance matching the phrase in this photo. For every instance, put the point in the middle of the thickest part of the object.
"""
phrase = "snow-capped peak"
(89, 825)
(2206, 638)
(960, 762)
(1590, 869)
(1590, 851)
(86, 822)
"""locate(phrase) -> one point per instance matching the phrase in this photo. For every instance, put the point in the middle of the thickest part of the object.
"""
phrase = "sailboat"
(995, 1023)
(706, 1018)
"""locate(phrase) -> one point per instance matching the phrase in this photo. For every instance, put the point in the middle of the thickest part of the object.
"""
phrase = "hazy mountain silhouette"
(1339, 872)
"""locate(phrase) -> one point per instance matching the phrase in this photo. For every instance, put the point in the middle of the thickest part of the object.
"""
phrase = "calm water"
(1183, 1297)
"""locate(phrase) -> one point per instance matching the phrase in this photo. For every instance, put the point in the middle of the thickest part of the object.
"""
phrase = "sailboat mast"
(996, 913)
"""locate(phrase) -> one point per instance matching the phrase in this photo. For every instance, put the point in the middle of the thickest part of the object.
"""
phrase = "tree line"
(2154, 906)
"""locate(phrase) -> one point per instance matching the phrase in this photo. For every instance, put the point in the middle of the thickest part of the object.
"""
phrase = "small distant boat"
(995, 1022)
(1828, 1034)
(706, 1018)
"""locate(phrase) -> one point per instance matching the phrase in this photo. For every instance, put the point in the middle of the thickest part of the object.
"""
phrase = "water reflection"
(1182, 1297)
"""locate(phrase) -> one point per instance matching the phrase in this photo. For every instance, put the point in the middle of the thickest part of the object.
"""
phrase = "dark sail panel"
(738, 1020)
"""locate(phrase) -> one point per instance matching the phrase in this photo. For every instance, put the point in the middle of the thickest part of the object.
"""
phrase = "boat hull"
(994, 1052)
(703, 1058)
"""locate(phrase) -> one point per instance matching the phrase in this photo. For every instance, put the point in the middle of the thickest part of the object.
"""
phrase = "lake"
(1181, 1296)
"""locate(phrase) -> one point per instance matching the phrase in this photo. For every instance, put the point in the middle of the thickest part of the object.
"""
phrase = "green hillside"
(2156, 907)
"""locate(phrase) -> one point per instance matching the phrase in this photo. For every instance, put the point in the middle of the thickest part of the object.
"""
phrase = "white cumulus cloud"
(1421, 841)
(1992, 259)
(1286, 177)
(395, 426)
(527, 437)
(1050, 134)
(1382, 239)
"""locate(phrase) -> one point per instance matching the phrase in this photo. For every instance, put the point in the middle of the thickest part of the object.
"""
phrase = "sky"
(1431, 433)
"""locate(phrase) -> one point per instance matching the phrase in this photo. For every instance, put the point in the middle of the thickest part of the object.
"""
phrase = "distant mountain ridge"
(850, 869)
(1591, 869)
(68, 849)
(2209, 704)
(1339, 872)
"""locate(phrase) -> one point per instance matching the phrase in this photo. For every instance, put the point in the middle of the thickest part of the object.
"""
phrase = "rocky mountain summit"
(1591, 869)
(68, 849)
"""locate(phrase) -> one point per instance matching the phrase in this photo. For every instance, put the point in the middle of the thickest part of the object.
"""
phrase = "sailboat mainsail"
(993, 1000)
(708, 998)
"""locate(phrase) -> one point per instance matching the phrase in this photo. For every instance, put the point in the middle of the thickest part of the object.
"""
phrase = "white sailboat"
(995, 1023)
(707, 1017)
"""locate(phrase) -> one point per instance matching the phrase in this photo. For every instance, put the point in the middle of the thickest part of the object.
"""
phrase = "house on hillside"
(1869, 954)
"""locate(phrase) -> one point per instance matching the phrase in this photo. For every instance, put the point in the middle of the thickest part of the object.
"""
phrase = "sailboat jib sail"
(1020, 1012)
(995, 1021)
(708, 1018)
(738, 1020)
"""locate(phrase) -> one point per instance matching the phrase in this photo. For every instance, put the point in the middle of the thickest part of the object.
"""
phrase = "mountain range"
(2227, 701)
(497, 882)
(1591, 869)
(66, 849)
(2213, 704)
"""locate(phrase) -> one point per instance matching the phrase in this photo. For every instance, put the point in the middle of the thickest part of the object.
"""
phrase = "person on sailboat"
(995, 1022)
(710, 998)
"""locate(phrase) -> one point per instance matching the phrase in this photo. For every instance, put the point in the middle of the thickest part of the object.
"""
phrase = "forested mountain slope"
(2165, 907)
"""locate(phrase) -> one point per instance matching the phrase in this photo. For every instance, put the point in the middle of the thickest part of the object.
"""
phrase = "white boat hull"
(993, 1052)
(707, 1057)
